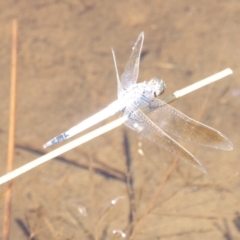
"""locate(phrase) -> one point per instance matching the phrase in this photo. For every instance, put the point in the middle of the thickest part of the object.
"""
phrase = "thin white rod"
(100, 131)
(203, 83)
(79, 141)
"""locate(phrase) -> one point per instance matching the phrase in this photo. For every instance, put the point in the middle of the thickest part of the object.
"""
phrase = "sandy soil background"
(66, 73)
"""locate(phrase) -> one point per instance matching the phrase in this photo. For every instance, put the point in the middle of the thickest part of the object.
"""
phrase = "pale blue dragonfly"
(153, 118)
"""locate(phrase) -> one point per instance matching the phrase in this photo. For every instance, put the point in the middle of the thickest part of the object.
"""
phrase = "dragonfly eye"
(158, 86)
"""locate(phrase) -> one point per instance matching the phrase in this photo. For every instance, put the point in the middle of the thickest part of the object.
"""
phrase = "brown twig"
(129, 183)
(7, 210)
(153, 199)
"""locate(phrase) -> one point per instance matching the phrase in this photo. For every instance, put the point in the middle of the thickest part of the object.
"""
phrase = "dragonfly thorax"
(140, 93)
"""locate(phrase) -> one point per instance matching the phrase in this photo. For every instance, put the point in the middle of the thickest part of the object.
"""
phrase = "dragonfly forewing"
(130, 74)
(179, 125)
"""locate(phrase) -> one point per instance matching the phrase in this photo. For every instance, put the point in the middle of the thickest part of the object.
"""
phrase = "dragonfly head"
(158, 86)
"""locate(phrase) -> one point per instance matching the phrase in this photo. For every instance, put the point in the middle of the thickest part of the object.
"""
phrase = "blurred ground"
(66, 73)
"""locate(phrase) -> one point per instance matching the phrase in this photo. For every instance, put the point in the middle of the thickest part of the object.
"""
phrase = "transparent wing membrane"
(130, 74)
(151, 131)
(179, 125)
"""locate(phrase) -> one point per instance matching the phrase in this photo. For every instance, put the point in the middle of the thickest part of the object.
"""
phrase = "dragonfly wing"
(130, 74)
(140, 123)
(120, 89)
(178, 124)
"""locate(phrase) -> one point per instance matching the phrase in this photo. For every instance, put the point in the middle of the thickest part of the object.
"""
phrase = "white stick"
(101, 131)
(203, 83)
(79, 141)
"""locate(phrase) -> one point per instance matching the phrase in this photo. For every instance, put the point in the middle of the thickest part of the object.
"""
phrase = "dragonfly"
(151, 117)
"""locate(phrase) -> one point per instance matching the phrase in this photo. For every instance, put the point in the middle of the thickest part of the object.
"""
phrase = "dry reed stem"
(153, 199)
(12, 115)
